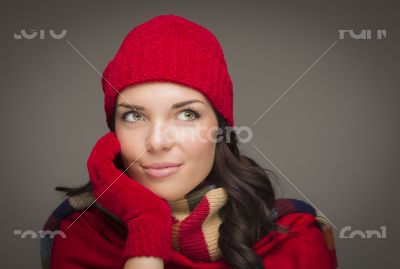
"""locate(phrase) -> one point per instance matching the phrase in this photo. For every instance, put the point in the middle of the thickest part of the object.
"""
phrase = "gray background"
(334, 134)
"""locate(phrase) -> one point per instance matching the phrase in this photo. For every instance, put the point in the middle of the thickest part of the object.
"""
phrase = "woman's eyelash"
(195, 112)
(125, 114)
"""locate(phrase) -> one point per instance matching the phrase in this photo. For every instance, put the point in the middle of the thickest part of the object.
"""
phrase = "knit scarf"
(196, 220)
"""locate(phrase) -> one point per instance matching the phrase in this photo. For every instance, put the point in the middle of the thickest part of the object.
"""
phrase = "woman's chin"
(169, 197)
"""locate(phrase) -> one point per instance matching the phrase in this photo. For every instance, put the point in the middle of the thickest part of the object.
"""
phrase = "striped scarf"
(196, 219)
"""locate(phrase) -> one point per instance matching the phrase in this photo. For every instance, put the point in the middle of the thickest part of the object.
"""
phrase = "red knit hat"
(170, 48)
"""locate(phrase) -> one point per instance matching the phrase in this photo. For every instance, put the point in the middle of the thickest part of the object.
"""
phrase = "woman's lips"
(162, 172)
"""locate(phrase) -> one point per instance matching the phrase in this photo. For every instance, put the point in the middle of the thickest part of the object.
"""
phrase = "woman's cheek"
(201, 149)
(129, 143)
(130, 151)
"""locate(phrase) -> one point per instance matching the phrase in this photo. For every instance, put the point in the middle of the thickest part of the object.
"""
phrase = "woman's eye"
(186, 115)
(131, 116)
(189, 114)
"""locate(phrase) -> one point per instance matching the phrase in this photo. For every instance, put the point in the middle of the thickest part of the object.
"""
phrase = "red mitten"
(146, 215)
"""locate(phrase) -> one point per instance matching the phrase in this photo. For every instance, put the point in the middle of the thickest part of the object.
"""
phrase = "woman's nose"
(160, 137)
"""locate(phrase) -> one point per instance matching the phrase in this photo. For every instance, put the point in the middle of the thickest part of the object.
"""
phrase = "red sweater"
(96, 241)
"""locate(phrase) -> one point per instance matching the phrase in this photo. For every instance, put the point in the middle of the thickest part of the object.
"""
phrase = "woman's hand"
(146, 215)
(144, 262)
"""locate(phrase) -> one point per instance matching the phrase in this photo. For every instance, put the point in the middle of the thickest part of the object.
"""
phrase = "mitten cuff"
(148, 238)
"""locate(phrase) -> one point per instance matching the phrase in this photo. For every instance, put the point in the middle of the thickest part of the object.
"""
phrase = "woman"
(168, 186)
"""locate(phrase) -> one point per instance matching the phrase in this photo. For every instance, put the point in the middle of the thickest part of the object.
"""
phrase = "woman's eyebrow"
(174, 106)
(184, 103)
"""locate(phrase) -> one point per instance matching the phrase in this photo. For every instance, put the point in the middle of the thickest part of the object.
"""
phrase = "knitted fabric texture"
(170, 48)
(196, 222)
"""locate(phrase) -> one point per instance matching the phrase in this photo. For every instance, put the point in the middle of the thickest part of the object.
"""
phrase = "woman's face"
(164, 129)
